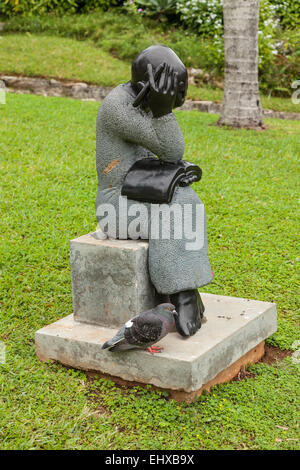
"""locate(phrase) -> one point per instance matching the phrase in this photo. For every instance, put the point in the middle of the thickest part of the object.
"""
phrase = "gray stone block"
(110, 280)
(234, 327)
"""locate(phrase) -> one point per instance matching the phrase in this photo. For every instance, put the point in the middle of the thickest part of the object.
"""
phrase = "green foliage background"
(60, 7)
(198, 25)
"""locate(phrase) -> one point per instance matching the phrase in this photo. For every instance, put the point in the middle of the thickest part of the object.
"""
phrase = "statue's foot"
(162, 298)
(200, 305)
(190, 310)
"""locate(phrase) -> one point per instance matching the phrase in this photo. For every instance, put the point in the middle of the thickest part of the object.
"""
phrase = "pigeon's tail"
(120, 345)
(117, 339)
(112, 347)
(108, 345)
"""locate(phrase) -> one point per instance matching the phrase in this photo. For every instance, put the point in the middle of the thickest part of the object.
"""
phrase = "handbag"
(153, 180)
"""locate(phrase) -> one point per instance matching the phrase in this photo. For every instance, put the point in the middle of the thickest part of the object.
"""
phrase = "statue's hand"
(162, 93)
(187, 180)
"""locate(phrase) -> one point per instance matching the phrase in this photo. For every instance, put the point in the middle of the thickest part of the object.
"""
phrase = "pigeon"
(144, 330)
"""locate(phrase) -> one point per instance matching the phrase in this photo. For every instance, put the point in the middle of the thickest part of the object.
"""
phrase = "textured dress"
(124, 135)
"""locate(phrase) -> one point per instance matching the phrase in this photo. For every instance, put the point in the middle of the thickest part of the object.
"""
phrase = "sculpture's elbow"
(173, 153)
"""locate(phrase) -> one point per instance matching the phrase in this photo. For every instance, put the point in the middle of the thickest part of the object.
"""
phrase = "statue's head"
(156, 55)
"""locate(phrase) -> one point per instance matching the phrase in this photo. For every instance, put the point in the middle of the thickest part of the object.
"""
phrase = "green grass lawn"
(99, 49)
(249, 188)
(63, 58)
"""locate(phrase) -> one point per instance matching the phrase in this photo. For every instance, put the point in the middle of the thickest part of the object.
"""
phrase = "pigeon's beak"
(175, 313)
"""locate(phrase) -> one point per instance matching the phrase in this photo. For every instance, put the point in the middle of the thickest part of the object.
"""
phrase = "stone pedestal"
(110, 280)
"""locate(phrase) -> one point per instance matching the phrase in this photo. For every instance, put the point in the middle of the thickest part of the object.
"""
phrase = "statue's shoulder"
(118, 97)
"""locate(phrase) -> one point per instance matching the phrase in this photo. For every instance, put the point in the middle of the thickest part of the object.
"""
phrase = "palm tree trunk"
(241, 104)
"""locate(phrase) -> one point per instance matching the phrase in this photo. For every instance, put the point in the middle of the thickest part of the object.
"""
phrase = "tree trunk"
(241, 104)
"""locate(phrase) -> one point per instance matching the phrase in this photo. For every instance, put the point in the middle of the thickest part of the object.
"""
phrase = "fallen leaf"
(111, 166)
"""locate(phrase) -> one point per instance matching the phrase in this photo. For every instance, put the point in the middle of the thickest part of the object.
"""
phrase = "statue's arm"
(161, 136)
(169, 137)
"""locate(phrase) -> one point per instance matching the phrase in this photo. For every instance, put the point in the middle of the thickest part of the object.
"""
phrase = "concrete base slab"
(232, 337)
(251, 357)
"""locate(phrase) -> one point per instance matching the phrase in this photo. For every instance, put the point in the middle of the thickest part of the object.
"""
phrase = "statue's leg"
(178, 257)
(179, 264)
(119, 217)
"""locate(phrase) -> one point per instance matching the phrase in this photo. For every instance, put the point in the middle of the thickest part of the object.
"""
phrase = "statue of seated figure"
(135, 122)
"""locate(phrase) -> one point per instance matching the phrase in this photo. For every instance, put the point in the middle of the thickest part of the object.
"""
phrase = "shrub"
(279, 51)
(278, 72)
(60, 7)
(203, 16)
(288, 12)
(84, 6)
(158, 6)
(25, 7)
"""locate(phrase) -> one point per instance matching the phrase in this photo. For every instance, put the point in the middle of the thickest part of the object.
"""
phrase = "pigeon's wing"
(119, 338)
(137, 332)
(145, 329)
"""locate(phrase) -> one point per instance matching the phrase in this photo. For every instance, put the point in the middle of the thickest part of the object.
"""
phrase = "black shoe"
(200, 305)
(161, 298)
(190, 310)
